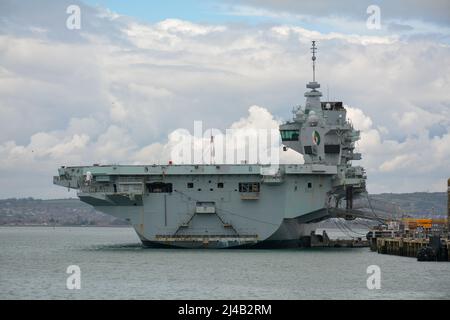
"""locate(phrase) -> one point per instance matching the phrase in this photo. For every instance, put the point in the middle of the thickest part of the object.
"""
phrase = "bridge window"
(289, 135)
(308, 150)
(332, 148)
(249, 187)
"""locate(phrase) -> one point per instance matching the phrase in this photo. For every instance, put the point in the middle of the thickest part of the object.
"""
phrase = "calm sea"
(34, 260)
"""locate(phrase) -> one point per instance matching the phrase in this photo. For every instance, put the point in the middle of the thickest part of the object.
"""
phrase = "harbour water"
(114, 265)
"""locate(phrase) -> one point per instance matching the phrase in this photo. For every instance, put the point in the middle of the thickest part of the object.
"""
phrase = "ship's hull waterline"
(279, 241)
(214, 210)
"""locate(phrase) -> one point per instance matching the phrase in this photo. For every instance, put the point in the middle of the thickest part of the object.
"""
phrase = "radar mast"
(313, 50)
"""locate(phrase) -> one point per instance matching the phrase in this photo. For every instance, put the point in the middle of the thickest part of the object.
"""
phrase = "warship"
(237, 205)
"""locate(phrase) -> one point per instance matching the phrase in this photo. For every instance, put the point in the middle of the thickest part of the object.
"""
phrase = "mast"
(313, 96)
(313, 50)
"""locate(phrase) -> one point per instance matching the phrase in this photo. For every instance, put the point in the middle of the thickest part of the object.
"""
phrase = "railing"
(129, 180)
(97, 189)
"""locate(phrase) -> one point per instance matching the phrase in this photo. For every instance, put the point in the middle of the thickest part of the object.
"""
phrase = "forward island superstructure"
(236, 205)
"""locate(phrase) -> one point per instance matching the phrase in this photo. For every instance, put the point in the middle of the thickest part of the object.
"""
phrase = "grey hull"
(266, 244)
(290, 234)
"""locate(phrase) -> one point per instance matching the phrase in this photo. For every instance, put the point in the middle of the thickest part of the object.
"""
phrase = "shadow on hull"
(304, 242)
(292, 233)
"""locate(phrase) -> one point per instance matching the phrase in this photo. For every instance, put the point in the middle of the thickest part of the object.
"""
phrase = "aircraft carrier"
(237, 205)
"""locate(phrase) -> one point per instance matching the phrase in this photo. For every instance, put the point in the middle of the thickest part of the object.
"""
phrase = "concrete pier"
(409, 247)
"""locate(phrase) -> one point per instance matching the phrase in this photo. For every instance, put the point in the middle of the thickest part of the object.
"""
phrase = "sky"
(117, 89)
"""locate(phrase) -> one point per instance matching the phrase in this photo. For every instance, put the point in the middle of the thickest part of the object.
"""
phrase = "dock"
(422, 238)
(412, 247)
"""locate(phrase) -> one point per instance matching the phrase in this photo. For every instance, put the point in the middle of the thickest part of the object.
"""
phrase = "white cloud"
(420, 161)
(186, 27)
(359, 119)
(118, 95)
(259, 118)
(306, 35)
(350, 16)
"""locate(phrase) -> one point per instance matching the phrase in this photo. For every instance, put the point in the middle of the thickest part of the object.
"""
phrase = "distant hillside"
(31, 211)
(65, 212)
(417, 203)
